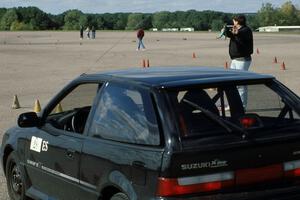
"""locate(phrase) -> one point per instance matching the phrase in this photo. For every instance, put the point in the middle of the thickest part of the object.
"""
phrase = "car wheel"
(119, 196)
(15, 179)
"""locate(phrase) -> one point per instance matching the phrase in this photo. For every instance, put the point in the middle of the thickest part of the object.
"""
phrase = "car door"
(53, 152)
(123, 147)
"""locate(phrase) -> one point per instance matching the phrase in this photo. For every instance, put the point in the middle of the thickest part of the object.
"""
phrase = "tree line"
(32, 18)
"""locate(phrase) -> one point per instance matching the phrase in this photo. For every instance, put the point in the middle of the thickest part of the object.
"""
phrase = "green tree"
(147, 22)
(268, 15)
(8, 19)
(161, 20)
(43, 22)
(32, 18)
(2, 12)
(121, 22)
(196, 20)
(72, 20)
(109, 21)
(135, 21)
(217, 25)
(83, 21)
(19, 26)
(180, 18)
(35, 18)
(99, 22)
(288, 14)
(57, 21)
(253, 22)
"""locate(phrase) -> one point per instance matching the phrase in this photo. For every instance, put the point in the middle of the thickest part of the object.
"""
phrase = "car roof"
(166, 77)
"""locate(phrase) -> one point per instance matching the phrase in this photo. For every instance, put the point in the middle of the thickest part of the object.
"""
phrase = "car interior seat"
(195, 120)
(202, 99)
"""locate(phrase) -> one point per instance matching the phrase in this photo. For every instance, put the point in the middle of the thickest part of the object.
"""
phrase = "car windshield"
(233, 108)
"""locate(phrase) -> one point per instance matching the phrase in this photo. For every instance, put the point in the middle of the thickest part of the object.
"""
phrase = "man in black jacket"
(240, 48)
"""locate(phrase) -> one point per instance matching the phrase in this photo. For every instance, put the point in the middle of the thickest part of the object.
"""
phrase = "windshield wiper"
(219, 120)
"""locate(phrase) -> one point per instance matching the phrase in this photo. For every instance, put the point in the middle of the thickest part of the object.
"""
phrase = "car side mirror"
(29, 119)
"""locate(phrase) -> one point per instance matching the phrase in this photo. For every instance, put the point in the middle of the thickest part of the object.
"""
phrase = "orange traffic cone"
(283, 66)
(148, 63)
(194, 55)
(37, 106)
(275, 60)
(144, 63)
(226, 65)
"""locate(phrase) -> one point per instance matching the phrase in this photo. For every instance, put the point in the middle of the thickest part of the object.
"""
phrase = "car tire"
(15, 179)
(119, 196)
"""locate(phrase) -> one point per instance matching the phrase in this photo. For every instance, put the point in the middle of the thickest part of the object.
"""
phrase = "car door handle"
(70, 153)
(138, 164)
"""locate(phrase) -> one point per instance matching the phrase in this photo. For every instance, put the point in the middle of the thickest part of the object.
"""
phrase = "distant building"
(187, 29)
(278, 28)
(170, 29)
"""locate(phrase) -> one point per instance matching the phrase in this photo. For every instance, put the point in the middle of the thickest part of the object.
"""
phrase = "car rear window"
(217, 110)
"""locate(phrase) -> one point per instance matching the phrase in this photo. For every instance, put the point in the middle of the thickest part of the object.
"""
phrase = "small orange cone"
(226, 65)
(275, 60)
(194, 55)
(144, 63)
(283, 66)
(257, 51)
(37, 106)
(15, 104)
(148, 63)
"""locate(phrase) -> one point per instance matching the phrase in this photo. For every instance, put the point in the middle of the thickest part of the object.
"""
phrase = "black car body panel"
(71, 155)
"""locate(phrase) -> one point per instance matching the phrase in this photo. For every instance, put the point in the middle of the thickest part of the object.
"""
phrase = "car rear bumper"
(289, 193)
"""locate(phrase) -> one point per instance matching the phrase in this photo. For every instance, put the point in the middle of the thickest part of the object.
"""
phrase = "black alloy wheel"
(15, 179)
(119, 196)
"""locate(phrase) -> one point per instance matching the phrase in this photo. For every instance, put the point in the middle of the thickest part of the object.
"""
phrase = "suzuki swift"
(159, 134)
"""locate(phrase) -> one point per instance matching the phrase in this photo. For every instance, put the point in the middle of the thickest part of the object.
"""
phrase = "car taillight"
(292, 169)
(188, 185)
(256, 175)
(218, 181)
(247, 122)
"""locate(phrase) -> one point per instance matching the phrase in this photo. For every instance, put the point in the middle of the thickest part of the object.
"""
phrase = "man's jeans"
(141, 44)
(241, 65)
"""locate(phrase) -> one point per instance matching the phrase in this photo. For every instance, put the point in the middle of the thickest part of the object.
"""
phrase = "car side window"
(71, 113)
(126, 115)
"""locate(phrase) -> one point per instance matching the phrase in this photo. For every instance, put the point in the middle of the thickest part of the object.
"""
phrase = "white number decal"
(45, 146)
(37, 144)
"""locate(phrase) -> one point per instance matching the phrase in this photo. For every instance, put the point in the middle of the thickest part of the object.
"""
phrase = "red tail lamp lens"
(256, 175)
(189, 185)
(247, 122)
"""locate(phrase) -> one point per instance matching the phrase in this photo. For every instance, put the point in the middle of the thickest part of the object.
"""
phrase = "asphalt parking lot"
(36, 65)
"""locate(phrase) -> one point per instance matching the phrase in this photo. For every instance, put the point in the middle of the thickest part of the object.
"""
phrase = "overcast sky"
(112, 6)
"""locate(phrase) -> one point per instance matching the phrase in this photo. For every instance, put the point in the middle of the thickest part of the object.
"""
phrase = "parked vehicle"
(159, 133)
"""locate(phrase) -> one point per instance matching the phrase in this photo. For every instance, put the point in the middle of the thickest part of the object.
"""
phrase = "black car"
(159, 133)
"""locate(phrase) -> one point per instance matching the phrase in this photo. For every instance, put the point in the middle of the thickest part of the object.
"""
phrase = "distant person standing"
(140, 35)
(81, 32)
(222, 33)
(240, 49)
(88, 32)
(93, 32)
